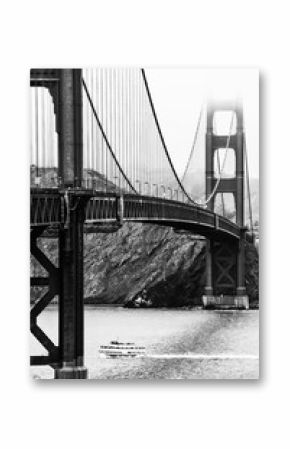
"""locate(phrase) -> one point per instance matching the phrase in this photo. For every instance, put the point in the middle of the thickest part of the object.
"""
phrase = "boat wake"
(204, 356)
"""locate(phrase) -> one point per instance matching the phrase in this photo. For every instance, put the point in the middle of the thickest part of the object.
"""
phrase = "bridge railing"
(49, 208)
(45, 208)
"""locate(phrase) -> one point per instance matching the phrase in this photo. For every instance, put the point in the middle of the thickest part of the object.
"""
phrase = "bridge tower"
(66, 279)
(225, 259)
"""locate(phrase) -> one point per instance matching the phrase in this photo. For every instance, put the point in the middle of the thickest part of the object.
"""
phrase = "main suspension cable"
(193, 144)
(219, 171)
(197, 203)
(163, 141)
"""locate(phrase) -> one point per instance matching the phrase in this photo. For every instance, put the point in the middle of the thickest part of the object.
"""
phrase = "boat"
(120, 350)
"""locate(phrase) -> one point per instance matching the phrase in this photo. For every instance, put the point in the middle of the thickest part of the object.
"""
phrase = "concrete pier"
(225, 302)
(71, 372)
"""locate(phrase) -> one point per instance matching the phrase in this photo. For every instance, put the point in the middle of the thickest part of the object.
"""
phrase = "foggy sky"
(179, 93)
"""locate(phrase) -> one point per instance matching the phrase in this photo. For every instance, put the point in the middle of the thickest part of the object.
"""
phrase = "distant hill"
(194, 183)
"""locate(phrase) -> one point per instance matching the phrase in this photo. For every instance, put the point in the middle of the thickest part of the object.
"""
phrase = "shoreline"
(115, 306)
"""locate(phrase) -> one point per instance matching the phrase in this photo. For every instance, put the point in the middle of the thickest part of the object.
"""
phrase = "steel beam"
(52, 282)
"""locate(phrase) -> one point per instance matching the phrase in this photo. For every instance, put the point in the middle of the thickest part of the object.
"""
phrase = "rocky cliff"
(171, 266)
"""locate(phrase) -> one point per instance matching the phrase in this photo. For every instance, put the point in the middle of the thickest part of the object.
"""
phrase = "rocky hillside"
(171, 266)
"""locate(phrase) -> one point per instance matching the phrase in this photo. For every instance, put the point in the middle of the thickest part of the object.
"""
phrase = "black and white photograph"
(144, 216)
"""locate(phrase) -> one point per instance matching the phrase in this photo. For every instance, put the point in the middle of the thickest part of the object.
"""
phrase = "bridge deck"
(49, 208)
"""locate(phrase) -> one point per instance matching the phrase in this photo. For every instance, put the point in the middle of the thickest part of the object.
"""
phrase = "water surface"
(180, 344)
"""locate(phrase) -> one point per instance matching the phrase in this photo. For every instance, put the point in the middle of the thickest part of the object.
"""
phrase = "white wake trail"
(204, 356)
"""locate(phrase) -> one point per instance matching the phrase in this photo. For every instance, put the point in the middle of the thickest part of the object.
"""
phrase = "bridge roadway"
(49, 207)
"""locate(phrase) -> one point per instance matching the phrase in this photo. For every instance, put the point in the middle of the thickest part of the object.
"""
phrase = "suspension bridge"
(99, 159)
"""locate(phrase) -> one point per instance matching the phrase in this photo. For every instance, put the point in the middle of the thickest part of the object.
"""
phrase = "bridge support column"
(208, 290)
(242, 299)
(208, 298)
(225, 277)
(71, 308)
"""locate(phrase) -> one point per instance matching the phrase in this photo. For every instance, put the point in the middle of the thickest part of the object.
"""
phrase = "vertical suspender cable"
(49, 135)
(36, 130)
(139, 126)
(136, 84)
(108, 145)
(146, 146)
(125, 119)
(87, 139)
(102, 118)
(120, 125)
(120, 121)
(248, 185)
(32, 124)
(106, 122)
(130, 130)
(128, 124)
(134, 122)
(43, 133)
(124, 133)
(89, 134)
(92, 129)
(140, 157)
(95, 137)
(124, 130)
(111, 121)
(98, 136)
(115, 143)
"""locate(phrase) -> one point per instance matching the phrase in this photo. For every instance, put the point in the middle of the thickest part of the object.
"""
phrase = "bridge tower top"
(234, 140)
